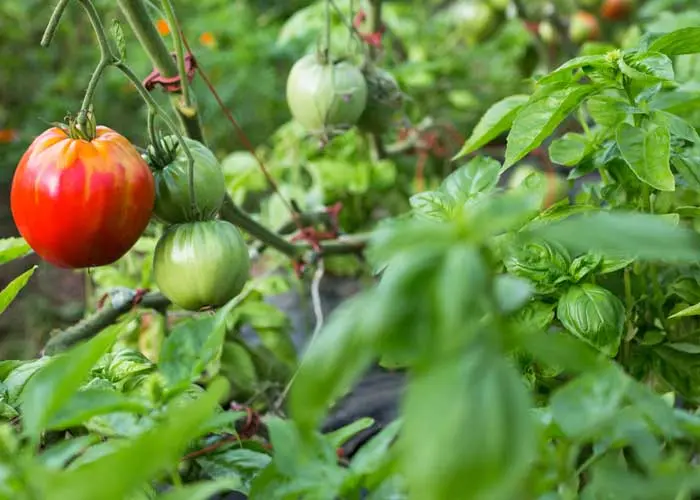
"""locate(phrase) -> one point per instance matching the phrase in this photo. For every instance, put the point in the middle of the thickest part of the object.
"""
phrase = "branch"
(140, 22)
(374, 18)
(108, 315)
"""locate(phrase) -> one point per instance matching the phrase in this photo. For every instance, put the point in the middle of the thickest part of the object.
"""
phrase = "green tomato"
(476, 19)
(170, 170)
(384, 100)
(326, 96)
(201, 264)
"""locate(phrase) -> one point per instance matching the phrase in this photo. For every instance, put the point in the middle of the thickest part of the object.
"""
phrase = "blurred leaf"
(372, 453)
(340, 436)
(432, 205)
(588, 62)
(559, 350)
(235, 463)
(238, 367)
(569, 149)
(201, 491)
(511, 292)
(88, 403)
(18, 378)
(58, 455)
(490, 414)
(647, 152)
(683, 41)
(543, 113)
(477, 176)
(688, 167)
(138, 460)
(582, 407)
(47, 392)
(13, 248)
(624, 234)
(9, 293)
(497, 119)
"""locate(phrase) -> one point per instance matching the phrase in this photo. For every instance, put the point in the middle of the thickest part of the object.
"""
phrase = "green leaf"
(594, 315)
(569, 149)
(607, 110)
(584, 265)
(647, 66)
(18, 377)
(497, 119)
(693, 310)
(511, 292)
(679, 128)
(58, 455)
(582, 407)
(193, 344)
(683, 41)
(688, 166)
(340, 436)
(241, 464)
(337, 357)
(479, 175)
(622, 234)
(88, 403)
(238, 367)
(13, 248)
(647, 152)
(139, 460)
(201, 491)
(545, 265)
(371, 454)
(432, 205)
(9, 293)
(679, 369)
(545, 110)
(46, 393)
(584, 62)
(488, 407)
(118, 36)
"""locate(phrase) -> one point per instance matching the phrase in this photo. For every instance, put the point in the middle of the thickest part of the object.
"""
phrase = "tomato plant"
(81, 203)
(201, 264)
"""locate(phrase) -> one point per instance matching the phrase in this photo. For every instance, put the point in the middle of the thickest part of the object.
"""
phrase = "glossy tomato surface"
(173, 203)
(201, 264)
(81, 203)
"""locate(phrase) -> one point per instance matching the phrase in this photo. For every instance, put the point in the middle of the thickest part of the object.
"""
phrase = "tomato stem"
(50, 30)
(179, 51)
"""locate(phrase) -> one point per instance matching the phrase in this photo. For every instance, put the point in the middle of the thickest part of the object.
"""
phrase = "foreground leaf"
(13, 248)
(486, 407)
(55, 383)
(116, 475)
(624, 234)
(9, 293)
(676, 43)
(201, 491)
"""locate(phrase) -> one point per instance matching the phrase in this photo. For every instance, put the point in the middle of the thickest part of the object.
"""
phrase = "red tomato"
(81, 203)
(616, 10)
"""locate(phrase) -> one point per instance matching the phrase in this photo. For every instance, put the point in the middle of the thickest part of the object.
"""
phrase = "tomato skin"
(323, 96)
(173, 203)
(201, 264)
(81, 203)
(616, 10)
(584, 27)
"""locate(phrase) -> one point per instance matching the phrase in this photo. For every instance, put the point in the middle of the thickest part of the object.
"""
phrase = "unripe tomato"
(476, 18)
(200, 264)
(616, 10)
(170, 170)
(584, 27)
(547, 32)
(81, 203)
(384, 100)
(325, 97)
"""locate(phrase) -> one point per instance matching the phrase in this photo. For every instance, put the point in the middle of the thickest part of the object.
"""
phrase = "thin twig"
(317, 307)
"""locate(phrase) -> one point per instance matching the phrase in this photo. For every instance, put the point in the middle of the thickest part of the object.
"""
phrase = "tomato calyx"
(161, 152)
(73, 128)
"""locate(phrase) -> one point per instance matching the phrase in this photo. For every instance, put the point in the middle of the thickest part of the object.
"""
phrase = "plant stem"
(153, 105)
(327, 50)
(374, 18)
(179, 51)
(50, 30)
(98, 321)
(140, 22)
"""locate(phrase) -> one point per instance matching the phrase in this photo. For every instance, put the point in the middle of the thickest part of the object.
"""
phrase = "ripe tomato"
(584, 27)
(616, 10)
(170, 169)
(81, 203)
(201, 264)
(326, 97)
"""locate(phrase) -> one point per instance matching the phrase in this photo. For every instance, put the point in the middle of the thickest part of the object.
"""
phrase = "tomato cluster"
(82, 200)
